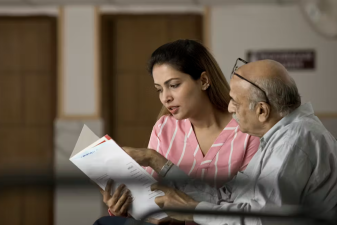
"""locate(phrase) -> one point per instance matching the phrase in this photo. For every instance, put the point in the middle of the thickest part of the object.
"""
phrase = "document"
(104, 160)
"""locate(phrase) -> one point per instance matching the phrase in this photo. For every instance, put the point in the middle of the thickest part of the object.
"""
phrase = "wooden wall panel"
(11, 99)
(38, 107)
(130, 102)
(185, 27)
(37, 40)
(10, 46)
(135, 38)
(28, 109)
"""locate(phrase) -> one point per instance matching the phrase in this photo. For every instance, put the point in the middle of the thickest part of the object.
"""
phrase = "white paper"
(86, 138)
(108, 161)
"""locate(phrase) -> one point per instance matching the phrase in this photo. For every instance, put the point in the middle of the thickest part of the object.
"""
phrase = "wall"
(78, 104)
(235, 29)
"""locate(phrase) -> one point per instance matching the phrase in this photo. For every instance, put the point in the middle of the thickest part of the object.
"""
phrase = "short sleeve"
(252, 146)
(154, 142)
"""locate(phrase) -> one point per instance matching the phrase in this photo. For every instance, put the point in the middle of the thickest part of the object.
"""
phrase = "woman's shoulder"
(168, 123)
(165, 121)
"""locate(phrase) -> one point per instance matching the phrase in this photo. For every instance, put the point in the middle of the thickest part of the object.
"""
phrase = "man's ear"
(205, 81)
(263, 111)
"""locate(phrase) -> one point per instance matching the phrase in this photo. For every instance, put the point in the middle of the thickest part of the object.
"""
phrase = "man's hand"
(174, 198)
(146, 157)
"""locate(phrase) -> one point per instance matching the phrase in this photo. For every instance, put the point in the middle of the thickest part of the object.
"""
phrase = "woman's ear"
(205, 82)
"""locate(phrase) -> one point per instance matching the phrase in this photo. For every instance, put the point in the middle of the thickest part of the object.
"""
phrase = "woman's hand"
(147, 157)
(119, 202)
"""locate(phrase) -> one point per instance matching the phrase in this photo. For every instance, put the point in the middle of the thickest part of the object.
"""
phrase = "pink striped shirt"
(230, 153)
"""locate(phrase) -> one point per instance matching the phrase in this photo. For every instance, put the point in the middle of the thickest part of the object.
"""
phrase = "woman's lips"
(173, 109)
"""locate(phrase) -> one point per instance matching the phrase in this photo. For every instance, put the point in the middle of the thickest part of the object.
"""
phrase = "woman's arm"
(253, 144)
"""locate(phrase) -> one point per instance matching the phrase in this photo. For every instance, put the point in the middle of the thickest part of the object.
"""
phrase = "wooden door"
(27, 113)
(130, 102)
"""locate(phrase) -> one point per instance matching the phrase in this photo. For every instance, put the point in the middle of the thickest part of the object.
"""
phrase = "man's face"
(239, 105)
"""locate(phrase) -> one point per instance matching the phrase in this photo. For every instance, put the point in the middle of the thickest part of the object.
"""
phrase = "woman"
(194, 130)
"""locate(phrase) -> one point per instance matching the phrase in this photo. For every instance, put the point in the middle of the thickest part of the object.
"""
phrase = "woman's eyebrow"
(168, 81)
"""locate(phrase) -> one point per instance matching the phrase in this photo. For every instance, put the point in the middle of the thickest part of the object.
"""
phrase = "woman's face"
(178, 92)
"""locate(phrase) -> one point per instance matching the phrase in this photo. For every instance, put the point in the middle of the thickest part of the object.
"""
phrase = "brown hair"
(191, 57)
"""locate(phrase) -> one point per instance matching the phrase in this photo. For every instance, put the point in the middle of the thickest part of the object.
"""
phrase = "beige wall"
(235, 29)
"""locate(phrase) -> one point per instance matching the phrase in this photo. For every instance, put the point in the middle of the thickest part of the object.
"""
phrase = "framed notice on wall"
(291, 59)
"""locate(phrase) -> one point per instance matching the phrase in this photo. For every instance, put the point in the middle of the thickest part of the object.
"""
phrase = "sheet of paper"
(86, 138)
(108, 161)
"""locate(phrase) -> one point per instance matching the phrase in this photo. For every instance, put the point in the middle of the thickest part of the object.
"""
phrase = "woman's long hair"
(191, 57)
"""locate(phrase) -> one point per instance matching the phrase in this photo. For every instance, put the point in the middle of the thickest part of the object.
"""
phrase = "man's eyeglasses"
(236, 66)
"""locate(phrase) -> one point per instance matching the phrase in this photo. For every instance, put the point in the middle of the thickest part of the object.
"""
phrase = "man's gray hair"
(283, 96)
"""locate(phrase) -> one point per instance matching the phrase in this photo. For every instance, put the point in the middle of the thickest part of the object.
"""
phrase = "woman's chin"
(179, 116)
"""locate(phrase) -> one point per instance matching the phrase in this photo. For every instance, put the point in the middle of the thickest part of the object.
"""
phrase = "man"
(294, 165)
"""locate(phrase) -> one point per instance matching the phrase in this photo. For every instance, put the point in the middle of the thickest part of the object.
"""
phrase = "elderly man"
(294, 165)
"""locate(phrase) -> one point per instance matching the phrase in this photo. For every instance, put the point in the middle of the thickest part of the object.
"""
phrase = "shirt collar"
(304, 110)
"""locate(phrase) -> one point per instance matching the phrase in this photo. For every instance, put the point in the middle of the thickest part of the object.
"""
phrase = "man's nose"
(231, 108)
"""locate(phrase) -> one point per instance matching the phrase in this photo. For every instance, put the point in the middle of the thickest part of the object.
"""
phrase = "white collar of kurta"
(304, 110)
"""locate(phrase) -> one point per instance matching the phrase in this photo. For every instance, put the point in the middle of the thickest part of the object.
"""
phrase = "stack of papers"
(102, 159)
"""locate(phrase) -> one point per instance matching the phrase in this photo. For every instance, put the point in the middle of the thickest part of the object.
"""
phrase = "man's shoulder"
(306, 134)
(308, 127)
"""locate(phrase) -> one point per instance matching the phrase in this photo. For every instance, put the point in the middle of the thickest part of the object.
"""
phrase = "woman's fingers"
(122, 201)
(126, 206)
(116, 195)
(112, 201)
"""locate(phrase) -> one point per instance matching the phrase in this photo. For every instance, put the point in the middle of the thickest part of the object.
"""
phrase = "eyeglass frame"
(238, 75)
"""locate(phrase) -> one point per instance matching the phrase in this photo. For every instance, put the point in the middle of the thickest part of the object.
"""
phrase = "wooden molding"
(326, 115)
(98, 76)
(78, 117)
(60, 52)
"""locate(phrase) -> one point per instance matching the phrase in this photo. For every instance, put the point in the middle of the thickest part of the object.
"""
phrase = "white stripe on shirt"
(207, 161)
(192, 167)
(183, 153)
(174, 135)
(229, 128)
(158, 144)
(162, 126)
(202, 174)
(216, 168)
(196, 150)
(245, 145)
(230, 155)
(215, 145)
(189, 132)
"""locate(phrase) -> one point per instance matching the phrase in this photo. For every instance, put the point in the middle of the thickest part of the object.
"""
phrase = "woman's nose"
(167, 97)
